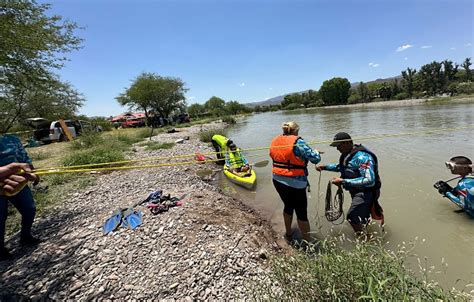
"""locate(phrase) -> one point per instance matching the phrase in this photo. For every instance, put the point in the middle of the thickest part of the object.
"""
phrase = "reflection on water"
(409, 165)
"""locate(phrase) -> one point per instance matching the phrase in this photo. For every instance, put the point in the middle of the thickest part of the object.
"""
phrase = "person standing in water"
(463, 194)
(359, 175)
(290, 155)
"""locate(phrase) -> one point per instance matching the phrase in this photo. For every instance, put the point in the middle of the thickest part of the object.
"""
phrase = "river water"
(409, 165)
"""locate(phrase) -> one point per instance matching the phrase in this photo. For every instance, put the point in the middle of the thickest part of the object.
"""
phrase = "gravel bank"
(208, 248)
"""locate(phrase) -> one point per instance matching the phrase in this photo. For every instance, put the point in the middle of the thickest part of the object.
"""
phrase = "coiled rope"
(333, 206)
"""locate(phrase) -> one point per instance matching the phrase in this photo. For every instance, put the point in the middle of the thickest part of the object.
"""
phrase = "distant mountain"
(278, 99)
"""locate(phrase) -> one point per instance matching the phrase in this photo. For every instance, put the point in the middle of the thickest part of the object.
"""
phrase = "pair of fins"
(128, 218)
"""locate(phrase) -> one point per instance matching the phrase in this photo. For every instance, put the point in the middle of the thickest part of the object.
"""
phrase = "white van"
(56, 132)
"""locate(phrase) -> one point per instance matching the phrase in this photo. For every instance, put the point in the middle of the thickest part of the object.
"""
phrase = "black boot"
(5, 254)
(29, 240)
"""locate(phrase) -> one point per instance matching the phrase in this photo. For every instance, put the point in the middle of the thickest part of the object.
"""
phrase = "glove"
(443, 187)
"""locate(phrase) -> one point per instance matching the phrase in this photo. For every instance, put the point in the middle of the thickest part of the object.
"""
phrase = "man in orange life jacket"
(290, 155)
(359, 175)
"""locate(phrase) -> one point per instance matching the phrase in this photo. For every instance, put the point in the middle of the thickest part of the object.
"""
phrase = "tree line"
(435, 78)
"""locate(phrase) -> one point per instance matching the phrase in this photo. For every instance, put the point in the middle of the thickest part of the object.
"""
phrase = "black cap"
(339, 138)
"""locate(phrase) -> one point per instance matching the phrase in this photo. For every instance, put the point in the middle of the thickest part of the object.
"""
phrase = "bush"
(292, 106)
(401, 96)
(206, 136)
(87, 140)
(378, 100)
(228, 119)
(354, 99)
(465, 88)
(96, 155)
(143, 133)
(329, 272)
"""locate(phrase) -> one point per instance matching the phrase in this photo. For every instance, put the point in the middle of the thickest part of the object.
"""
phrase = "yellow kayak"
(244, 179)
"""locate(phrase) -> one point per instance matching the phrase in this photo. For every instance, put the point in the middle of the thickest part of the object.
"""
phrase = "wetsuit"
(359, 171)
(463, 194)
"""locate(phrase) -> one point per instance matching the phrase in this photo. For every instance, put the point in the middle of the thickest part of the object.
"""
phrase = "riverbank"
(208, 248)
(400, 103)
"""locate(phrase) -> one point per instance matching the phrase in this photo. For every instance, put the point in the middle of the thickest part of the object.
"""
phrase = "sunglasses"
(450, 165)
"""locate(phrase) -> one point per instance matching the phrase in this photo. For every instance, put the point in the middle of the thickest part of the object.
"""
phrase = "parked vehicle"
(133, 123)
(56, 132)
(47, 131)
(41, 126)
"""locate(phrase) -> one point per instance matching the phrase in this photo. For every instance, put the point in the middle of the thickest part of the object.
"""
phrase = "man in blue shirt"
(359, 175)
(12, 151)
(463, 194)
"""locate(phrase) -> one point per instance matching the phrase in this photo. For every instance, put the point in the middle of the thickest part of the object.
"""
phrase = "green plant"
(95, 155)
(401, 96)
(87, 140)
(228, 119)
(328, 271)
(38, 155)
(206, 135)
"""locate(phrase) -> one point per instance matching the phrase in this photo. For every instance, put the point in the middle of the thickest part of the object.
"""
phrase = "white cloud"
(468, 44)
(374, 64)
(453, 48)
(241, 84)
(404, 47)
(406, 58)
(270, 88)
(190, 98)
(426, 46)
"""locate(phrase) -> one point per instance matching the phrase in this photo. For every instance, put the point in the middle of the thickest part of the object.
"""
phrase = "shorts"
(359, 212)
(294, 200)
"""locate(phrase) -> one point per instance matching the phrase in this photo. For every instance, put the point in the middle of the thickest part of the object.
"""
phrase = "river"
(409, 165)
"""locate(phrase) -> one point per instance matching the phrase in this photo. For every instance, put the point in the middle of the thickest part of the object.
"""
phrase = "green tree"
(234, 107)
(363, 92)
(466, 65)
(432, 78)
(150, 91)
(335, 91)
(408, 81)
(216, 106)
(195, 110)
(33, 45)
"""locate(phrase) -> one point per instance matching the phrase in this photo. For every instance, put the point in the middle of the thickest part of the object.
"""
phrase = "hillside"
(277, 100)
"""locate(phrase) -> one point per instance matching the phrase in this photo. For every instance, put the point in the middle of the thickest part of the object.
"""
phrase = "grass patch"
(38, 155)
(150, 146)
(365, 272)
(206, 136)
(87, 140)
(94, 156)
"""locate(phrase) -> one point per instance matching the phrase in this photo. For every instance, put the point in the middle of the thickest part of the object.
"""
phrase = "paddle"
(206, 172)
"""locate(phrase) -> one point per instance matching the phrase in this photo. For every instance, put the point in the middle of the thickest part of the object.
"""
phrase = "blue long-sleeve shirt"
(303, 151)
(362, 162)
(12, 151)
(463, 194)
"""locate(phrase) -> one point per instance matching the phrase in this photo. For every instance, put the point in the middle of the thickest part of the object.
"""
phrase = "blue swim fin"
(112, 222)
(132, 219)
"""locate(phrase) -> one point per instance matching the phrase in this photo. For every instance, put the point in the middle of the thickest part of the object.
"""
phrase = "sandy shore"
(208, 248)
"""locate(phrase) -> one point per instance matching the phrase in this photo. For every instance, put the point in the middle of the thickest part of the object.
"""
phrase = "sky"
(250, 51)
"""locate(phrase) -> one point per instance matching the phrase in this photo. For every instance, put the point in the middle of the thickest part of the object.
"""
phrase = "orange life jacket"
(285, 162)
